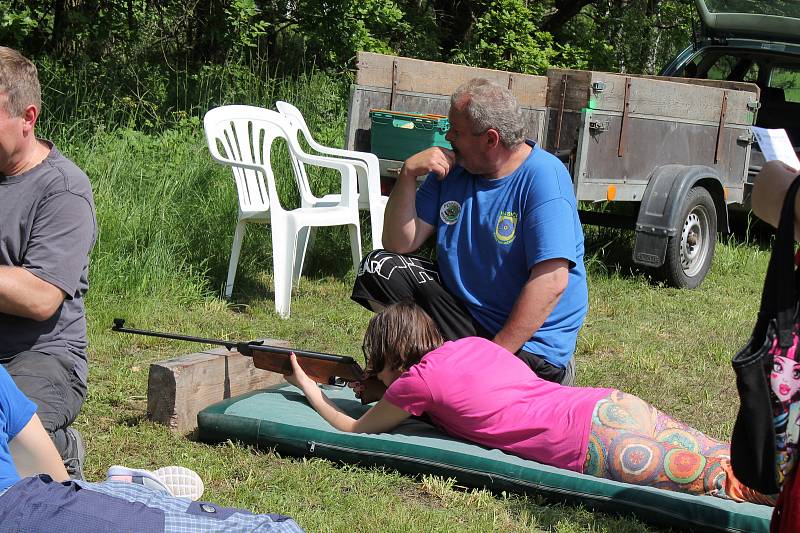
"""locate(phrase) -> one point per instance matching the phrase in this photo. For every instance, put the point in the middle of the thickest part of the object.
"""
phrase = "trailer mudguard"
(662, 205)
(281, 418)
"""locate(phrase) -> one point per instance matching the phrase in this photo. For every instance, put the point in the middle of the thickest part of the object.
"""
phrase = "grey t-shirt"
(48, 227)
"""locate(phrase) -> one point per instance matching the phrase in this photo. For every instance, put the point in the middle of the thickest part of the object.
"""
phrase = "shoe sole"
(182, 482)
(179, 481)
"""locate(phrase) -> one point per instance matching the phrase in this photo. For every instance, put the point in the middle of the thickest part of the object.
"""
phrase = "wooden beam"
(720, 84)
(698, 100)
(403, 74)
(177, 389)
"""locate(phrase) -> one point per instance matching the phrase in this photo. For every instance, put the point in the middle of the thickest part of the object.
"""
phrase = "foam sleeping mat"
(281, 418)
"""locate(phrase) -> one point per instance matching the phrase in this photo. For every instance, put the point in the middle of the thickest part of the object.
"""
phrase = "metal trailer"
(667, 155)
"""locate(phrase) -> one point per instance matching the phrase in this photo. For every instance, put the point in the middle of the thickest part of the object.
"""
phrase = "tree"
(520, 35)
(563, 11)
(505, 36)
(637, 36)
(335, 30)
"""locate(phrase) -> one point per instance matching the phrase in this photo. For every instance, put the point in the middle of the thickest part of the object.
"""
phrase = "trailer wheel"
(690, 252)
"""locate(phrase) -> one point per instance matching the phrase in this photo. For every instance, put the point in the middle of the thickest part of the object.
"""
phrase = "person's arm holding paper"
(776, 175)
(769, 190)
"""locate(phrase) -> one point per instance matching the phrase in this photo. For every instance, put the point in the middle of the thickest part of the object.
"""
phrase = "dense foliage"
(526, 35)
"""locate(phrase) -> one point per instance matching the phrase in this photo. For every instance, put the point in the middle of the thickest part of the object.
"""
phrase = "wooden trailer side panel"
(402, 74)
(720, 84)
(578, 89)
(417, 86)
(620, 128)
(612, 128)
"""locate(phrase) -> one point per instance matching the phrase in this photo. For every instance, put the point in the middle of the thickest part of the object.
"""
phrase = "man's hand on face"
(437, 160)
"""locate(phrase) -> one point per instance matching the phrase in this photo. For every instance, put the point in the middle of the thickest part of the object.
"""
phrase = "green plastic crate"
(398, 135)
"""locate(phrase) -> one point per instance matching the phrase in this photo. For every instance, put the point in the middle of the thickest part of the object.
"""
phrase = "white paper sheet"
(776, 146)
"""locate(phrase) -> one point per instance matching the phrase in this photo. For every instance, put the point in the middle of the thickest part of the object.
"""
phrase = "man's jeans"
(52, 384)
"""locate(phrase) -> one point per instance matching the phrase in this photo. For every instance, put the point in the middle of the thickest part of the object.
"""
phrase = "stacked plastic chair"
(365, 163)
(241, 137)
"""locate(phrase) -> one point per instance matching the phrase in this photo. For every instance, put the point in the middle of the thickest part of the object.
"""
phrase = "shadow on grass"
(609, 251)
(246, 291)
(550, 513)
(329, 256)
(747, 229)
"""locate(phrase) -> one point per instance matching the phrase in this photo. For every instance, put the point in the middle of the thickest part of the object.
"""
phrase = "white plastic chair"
(241, 137)
(366, 164)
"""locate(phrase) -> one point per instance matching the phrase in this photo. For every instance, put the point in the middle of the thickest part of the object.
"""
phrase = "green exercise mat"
(281, 418)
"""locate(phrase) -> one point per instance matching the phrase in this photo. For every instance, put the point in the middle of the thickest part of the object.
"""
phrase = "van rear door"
(775, 20)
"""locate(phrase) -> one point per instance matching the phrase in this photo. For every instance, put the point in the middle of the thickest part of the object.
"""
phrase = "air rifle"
(324, 368)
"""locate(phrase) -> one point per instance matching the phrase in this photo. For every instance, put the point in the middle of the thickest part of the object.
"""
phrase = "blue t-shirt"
(16, 410)
(490, 233)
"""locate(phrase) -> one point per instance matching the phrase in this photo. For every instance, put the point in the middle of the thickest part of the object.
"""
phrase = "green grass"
(166, 216)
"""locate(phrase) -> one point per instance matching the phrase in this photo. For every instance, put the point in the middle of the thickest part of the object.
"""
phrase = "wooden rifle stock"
(324, 368)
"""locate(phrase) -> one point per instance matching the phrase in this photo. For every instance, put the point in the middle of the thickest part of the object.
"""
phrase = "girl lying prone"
(476, 390)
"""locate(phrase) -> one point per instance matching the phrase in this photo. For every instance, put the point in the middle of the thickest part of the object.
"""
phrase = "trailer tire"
(691, 250)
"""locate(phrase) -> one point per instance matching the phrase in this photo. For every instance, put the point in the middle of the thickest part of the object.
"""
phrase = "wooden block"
(432, 77)
(177, 389)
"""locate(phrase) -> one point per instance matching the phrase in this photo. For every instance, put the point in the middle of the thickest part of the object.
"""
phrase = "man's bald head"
(489, 106)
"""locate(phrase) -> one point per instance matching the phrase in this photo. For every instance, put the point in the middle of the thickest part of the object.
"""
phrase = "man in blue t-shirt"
(508, 238)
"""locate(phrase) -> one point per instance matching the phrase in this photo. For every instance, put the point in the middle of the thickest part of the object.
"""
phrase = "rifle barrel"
(303, 353)
(257, 346)
(119, 326)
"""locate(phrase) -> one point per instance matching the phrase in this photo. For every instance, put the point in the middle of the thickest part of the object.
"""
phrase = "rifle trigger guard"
(336, 381)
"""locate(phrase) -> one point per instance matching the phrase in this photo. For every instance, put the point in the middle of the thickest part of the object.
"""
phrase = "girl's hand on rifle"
(298, 377)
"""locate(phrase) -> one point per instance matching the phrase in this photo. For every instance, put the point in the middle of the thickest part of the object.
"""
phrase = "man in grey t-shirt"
(47, 228)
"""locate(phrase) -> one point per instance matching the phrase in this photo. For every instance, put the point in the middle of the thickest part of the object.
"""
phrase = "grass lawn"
(670, 347)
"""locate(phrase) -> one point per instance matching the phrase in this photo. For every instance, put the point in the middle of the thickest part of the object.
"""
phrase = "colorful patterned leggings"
(633, 442)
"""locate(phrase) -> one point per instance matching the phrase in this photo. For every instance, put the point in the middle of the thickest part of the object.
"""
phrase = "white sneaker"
(176, 480)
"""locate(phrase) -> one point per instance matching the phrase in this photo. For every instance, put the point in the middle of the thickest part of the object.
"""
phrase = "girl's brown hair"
(398, 337)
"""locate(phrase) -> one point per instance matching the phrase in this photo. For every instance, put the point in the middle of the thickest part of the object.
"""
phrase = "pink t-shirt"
(476, 390)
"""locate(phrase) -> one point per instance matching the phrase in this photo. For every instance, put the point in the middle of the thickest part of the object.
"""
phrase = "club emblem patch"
(506, 228)
(449, 212)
